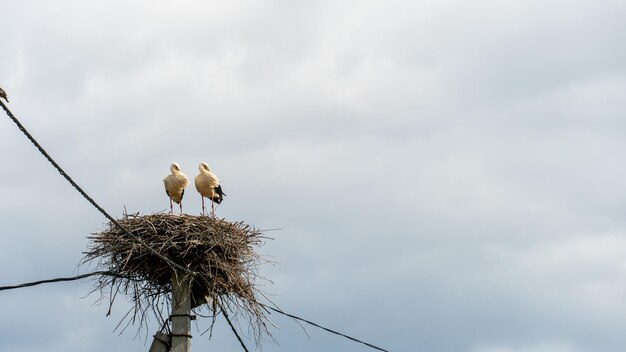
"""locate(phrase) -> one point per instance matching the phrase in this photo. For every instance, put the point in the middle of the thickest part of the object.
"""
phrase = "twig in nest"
(218, 252)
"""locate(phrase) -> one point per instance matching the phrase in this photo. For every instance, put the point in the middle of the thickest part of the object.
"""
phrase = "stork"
(208, 185)
(175, 184)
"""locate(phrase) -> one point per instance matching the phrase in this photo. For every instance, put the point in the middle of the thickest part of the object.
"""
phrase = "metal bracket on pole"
(191, 316)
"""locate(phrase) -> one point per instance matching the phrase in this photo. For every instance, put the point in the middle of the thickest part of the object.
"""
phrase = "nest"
(217, 257)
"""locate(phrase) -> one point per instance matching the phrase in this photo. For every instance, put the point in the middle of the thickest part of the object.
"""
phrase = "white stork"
(208, 185)
(175, 184)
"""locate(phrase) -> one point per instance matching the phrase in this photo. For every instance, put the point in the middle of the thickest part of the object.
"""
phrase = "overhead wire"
(324, 328)
(140, 241)
(232, 327)
(78, 277)
(59, 279)
(86, 196)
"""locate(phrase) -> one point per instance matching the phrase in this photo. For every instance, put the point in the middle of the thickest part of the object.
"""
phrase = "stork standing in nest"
(208, 185)
(175, 184)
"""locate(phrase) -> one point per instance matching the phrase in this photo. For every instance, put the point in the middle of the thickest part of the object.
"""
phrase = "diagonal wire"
(85, 195)
(140, 241)
(327, 329)
(232, 327)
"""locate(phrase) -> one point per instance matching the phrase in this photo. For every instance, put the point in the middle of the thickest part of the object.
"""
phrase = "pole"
(161, 343)
(181, 313)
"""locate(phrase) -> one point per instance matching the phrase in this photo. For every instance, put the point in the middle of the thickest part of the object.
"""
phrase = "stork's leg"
(181, 206)
(201, 196)
(171, 207)
(212, 207)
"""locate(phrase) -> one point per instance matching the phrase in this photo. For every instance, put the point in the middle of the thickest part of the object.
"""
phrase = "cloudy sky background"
(447, 176)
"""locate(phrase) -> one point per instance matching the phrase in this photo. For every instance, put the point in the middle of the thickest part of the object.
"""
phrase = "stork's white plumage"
(175, 184)
(208, 185)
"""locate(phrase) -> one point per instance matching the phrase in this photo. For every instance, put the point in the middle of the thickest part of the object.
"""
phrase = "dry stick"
(80, 190)
(218, 259)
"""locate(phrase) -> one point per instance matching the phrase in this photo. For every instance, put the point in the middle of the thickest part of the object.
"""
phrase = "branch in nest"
(219, 253)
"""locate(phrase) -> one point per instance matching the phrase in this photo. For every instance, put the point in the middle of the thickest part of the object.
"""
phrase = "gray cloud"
(447, 177)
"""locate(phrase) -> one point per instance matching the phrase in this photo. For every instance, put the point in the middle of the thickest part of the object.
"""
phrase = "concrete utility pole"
(161, 343)
(181, 314)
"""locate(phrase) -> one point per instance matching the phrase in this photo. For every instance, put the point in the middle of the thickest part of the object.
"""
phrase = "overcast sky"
(447, 175)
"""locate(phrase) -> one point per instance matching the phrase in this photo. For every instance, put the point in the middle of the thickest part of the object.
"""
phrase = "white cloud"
(447, 176)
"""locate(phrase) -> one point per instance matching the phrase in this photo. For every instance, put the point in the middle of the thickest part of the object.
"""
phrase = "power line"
(78, 277)
(324, 328)
(72, 278)
(139, 240)
(85, 195)
(60, 279)
(232, 327)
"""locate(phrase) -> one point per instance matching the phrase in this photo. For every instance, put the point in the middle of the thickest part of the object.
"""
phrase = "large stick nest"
(217, 256)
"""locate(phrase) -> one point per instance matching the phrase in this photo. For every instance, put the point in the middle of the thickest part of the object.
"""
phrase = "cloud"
(446, 176)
